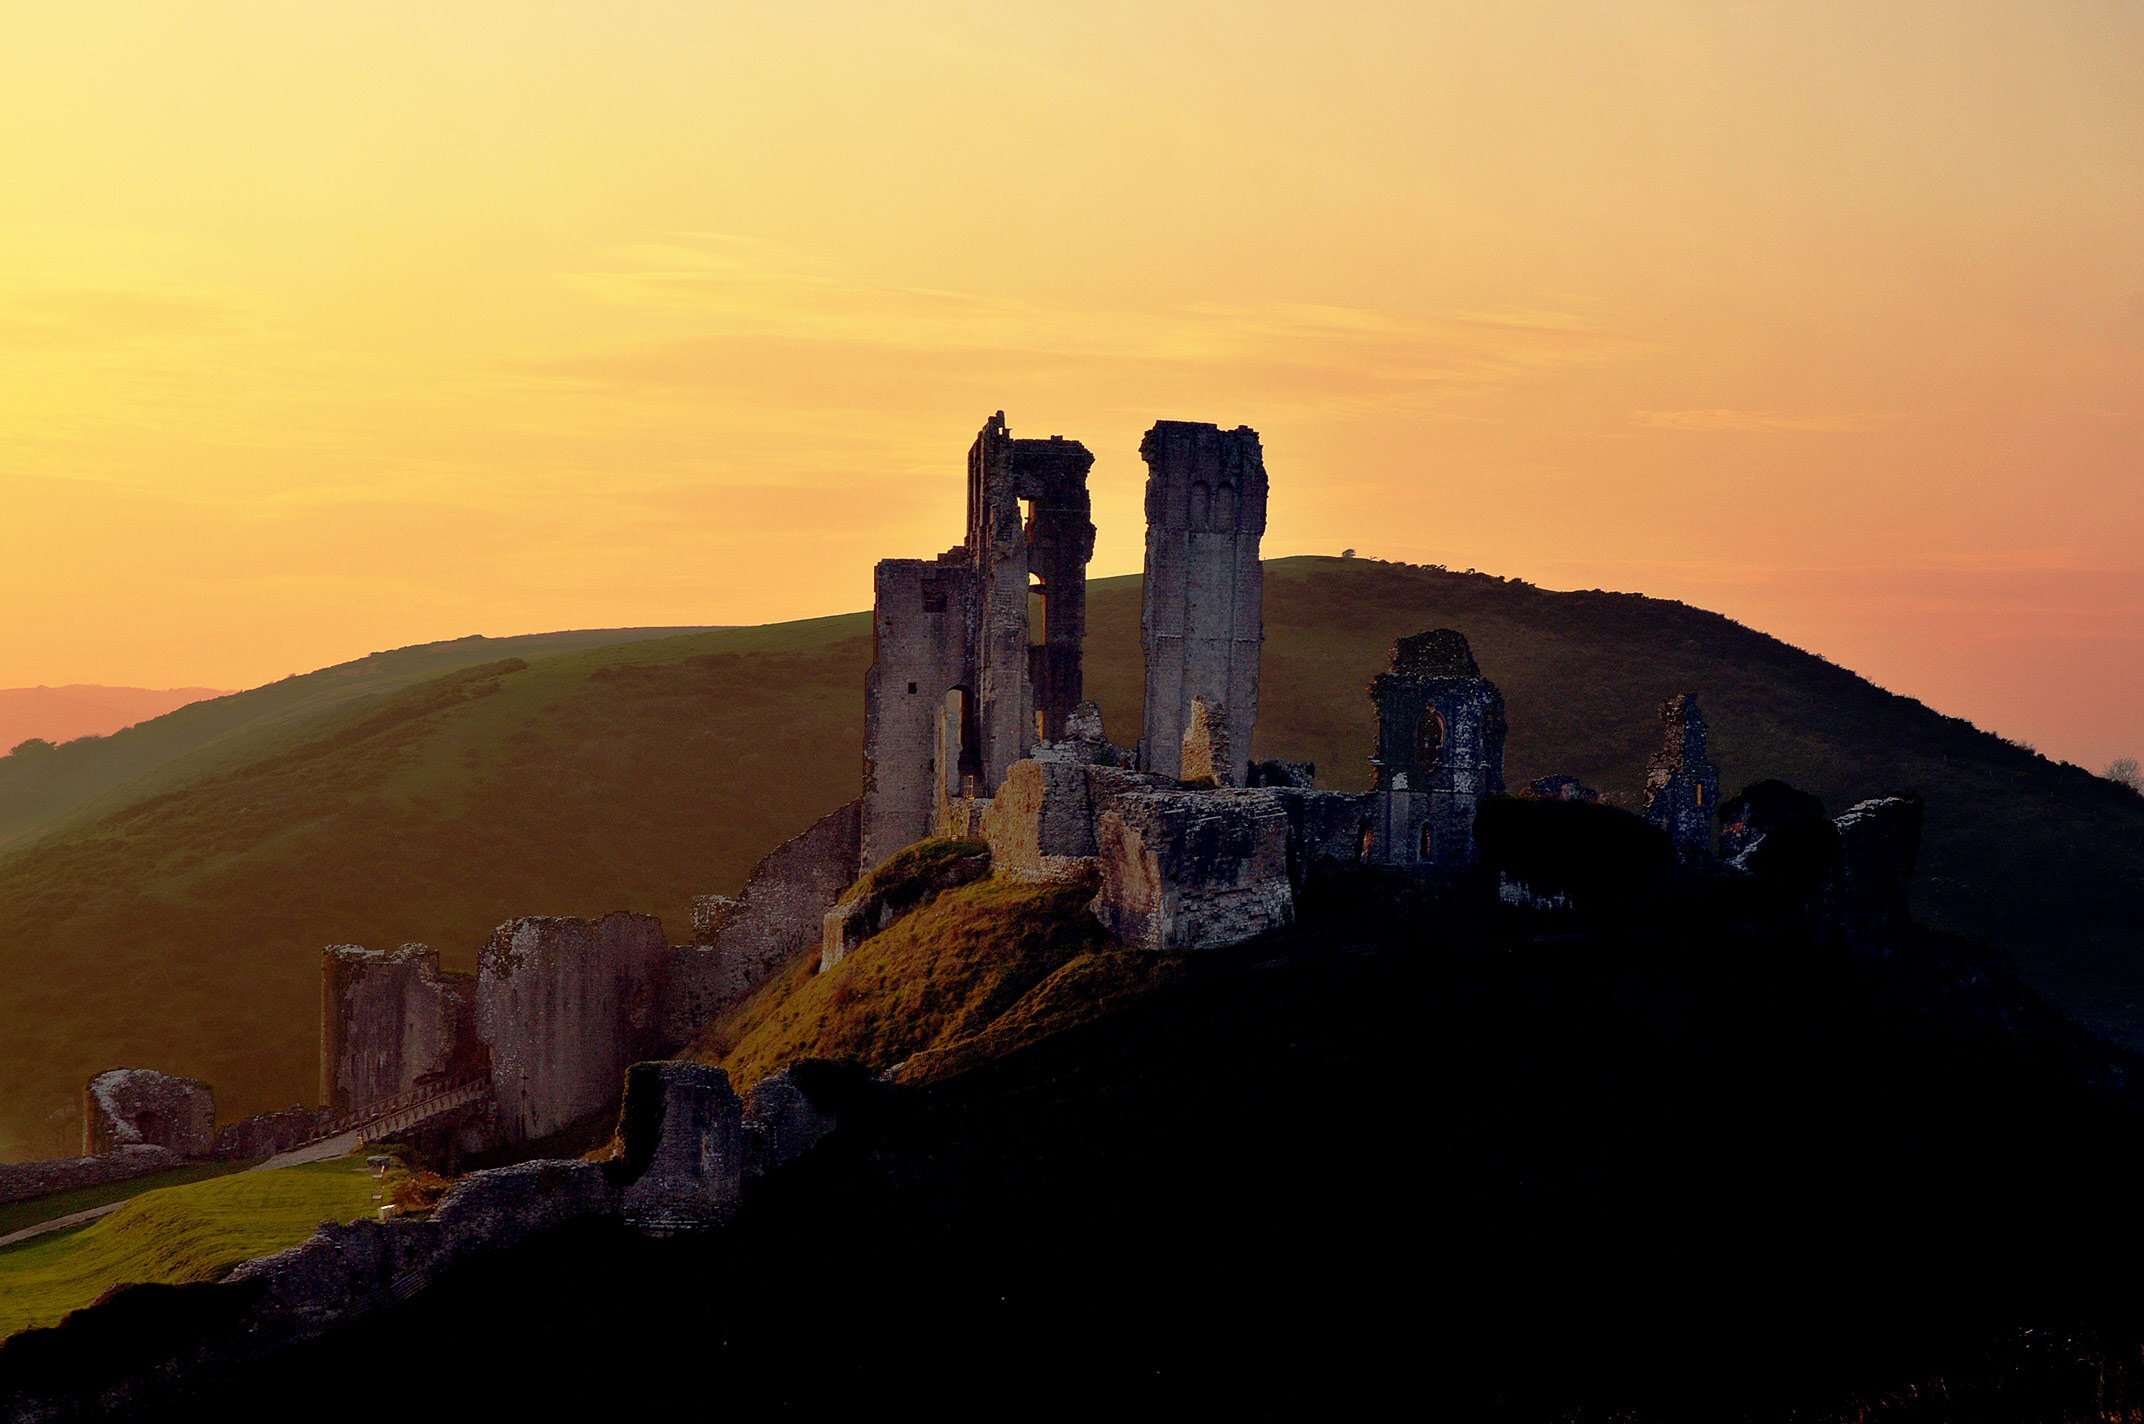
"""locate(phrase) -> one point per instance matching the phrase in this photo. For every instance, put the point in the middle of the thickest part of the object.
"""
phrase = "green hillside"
(45, 787)
(195, 1232)
(183, 931)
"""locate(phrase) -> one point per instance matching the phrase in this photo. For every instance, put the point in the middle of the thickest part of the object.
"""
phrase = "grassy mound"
(178, 1234)
(930, 983)
(182, 930)
(16, 1215)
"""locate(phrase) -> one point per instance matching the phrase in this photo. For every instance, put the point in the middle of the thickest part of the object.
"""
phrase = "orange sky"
(326, 329)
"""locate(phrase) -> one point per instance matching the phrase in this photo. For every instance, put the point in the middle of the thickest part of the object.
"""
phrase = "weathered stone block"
(1301, 775)
(1324, 828)
(1194, 870)
(1040, 825)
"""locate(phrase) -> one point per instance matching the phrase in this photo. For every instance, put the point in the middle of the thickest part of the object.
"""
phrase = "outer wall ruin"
(139, 1107)
(390, 1022)
(1203, 626)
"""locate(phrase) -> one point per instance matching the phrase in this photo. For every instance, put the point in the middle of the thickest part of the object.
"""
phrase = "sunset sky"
(326, 329)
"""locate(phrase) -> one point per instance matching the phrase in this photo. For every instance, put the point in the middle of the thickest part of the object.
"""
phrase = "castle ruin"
(1682, 787)
(1440, 750)
(977, 729)
(963, 680)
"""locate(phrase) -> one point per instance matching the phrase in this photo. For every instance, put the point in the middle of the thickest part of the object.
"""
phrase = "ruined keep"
(963, 681)
(1440, 750)
(1203, 624)
(1682, 786)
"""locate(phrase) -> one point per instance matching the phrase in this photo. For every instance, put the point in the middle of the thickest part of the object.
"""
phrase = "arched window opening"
(1429, 741)
(1201, 505)
(1224, 506)
(1038, 611)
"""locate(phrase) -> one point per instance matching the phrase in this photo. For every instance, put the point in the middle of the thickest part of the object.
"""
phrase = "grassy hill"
(182, 930)
(42, 788)
(60, 714)
(194, 1232)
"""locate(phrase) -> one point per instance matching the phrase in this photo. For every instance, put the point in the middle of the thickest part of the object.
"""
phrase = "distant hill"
(43, 788)
(60, 714)
(181, 929)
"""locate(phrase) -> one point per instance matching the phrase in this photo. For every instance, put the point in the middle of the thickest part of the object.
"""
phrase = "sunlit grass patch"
(195, 1232)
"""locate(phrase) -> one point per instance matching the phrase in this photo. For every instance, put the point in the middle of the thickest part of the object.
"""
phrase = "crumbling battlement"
(781, 911)
(1202, 626)
(960, 684)
(1682, 786)
(136, 1107)
(390, 1022)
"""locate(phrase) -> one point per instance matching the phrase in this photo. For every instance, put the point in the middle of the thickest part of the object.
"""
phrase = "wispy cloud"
(1761, 422)
(752, 309)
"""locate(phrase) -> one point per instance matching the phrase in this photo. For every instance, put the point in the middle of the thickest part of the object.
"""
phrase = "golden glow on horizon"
(327, 329)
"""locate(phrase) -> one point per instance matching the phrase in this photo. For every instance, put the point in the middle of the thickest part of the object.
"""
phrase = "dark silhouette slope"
(1695, 1169)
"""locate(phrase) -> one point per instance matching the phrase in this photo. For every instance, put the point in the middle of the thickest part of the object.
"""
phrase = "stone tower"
(1203, 622)
(1440, 750)
(962, 681)
(1682, 787)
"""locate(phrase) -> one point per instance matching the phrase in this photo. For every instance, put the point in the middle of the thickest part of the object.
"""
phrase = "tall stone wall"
(564, 1006)
(391, 1021)
(1203, 623)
